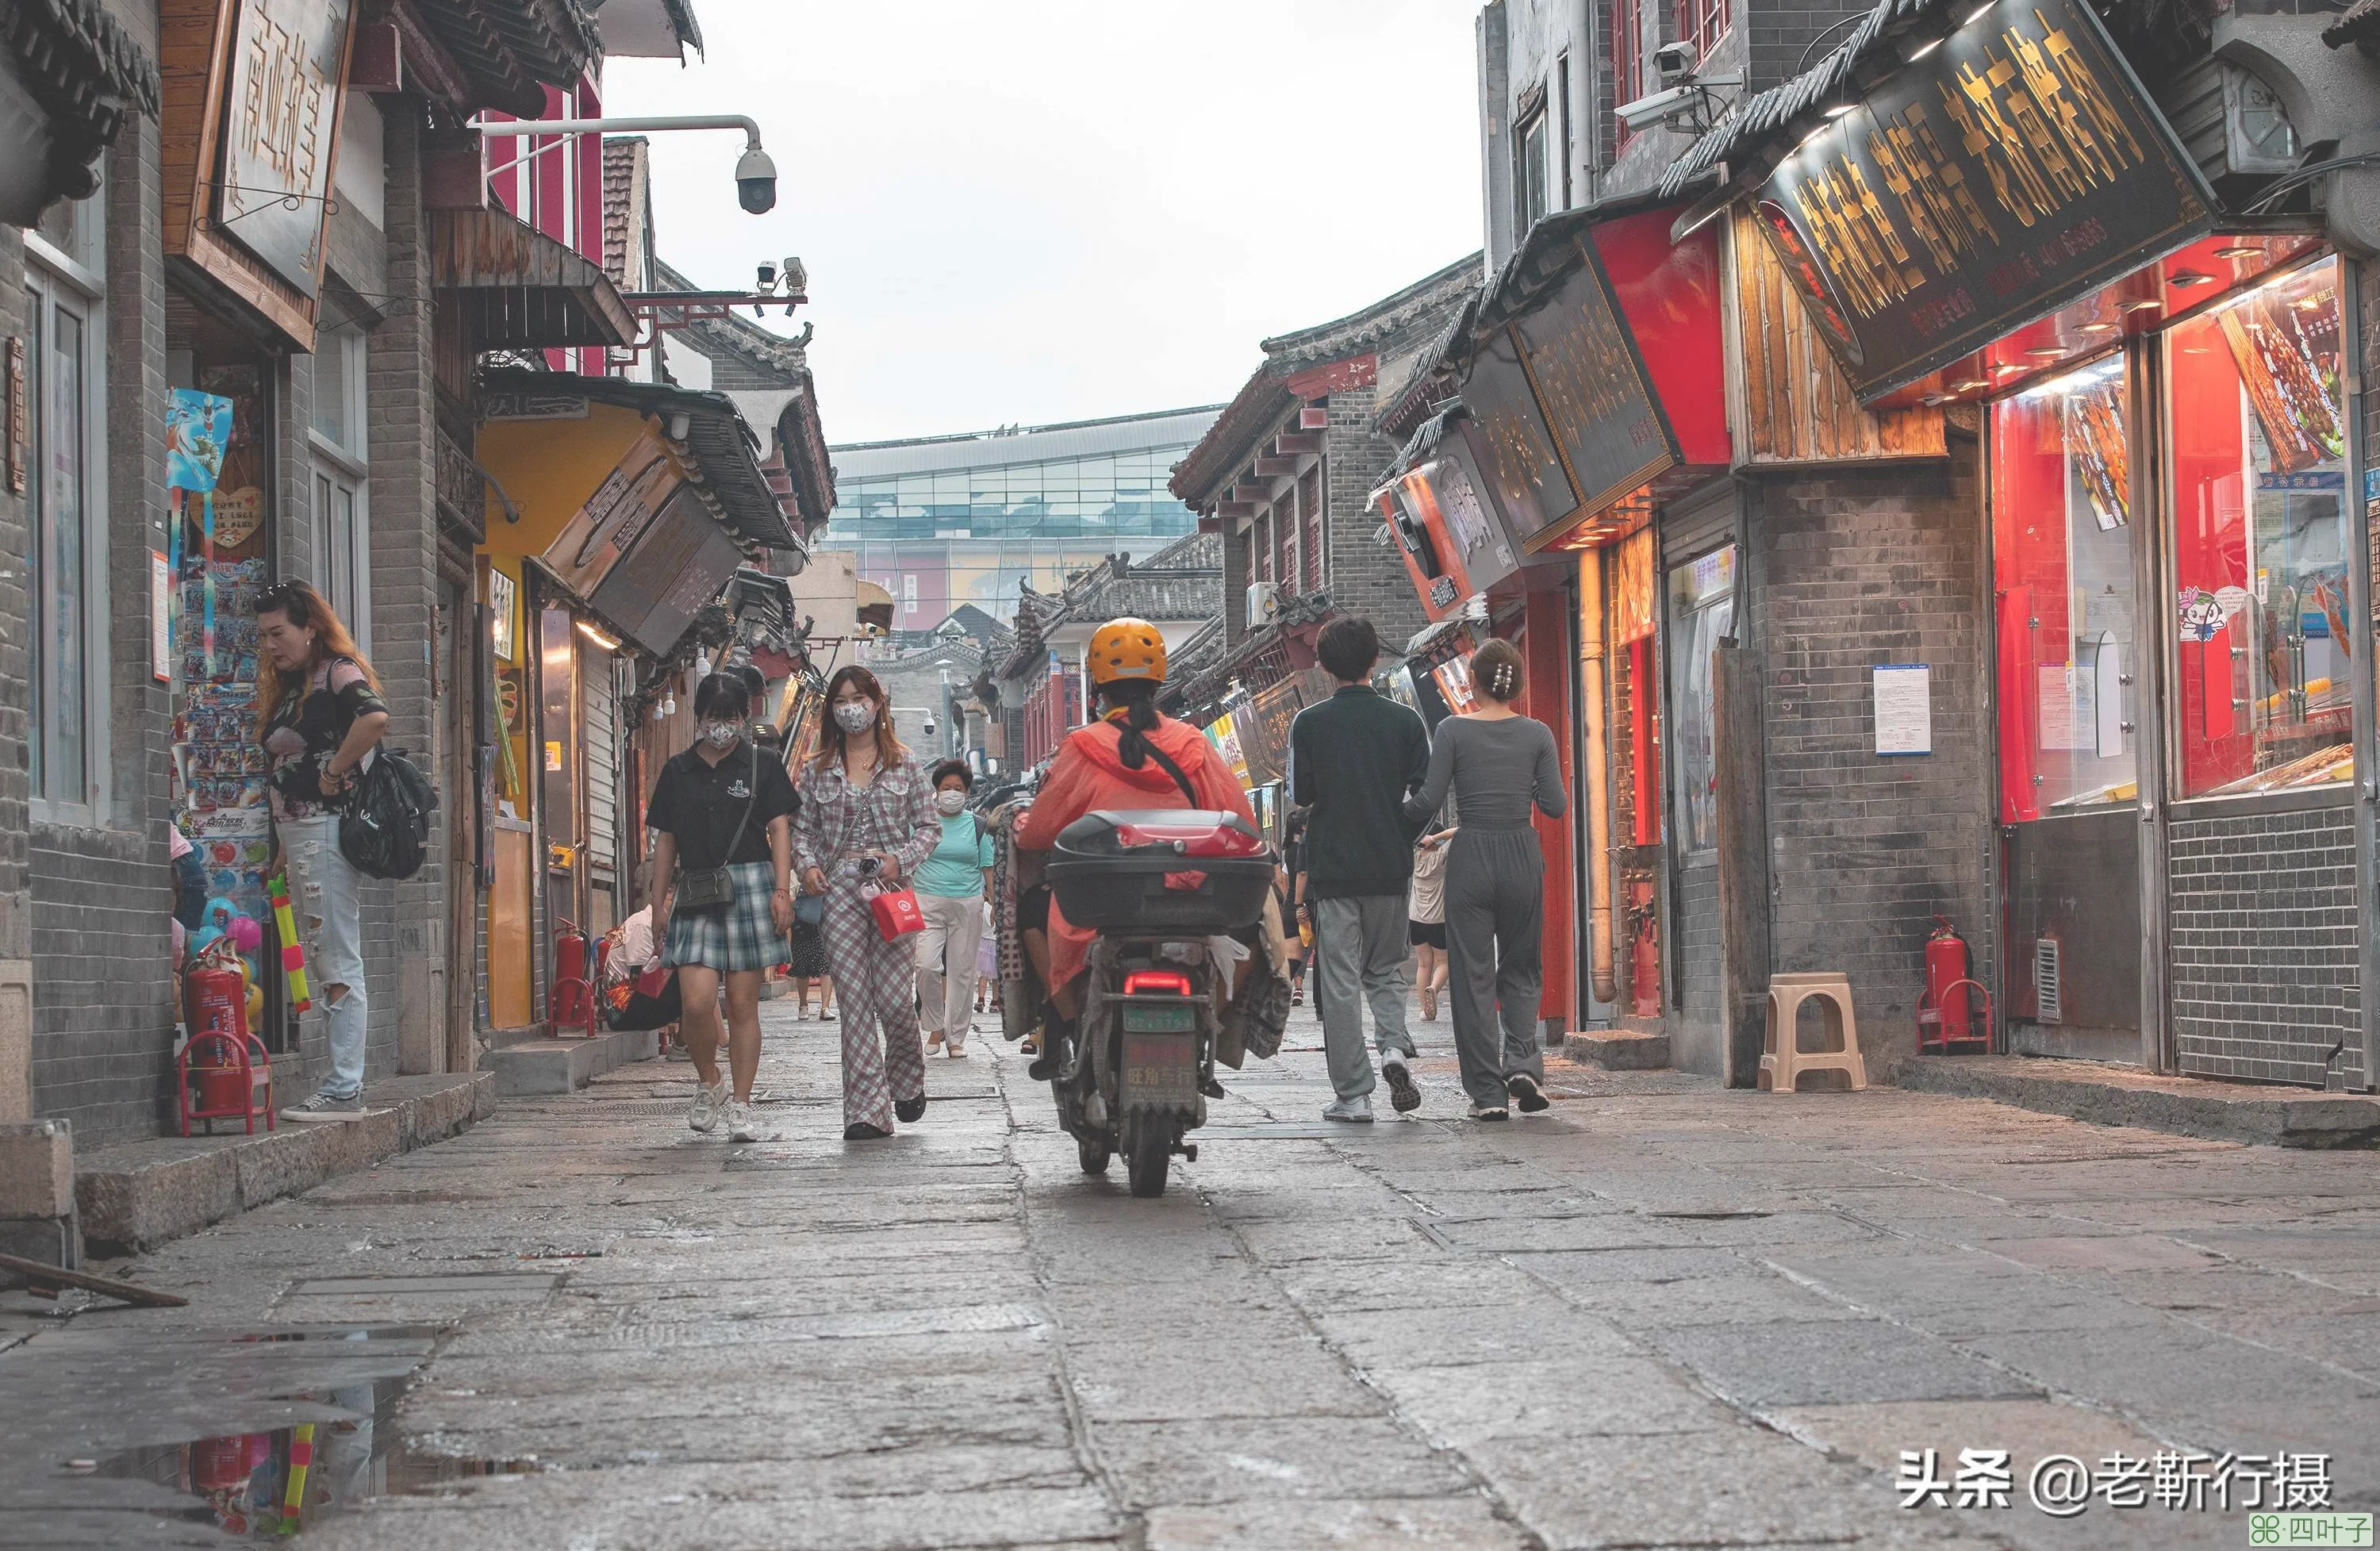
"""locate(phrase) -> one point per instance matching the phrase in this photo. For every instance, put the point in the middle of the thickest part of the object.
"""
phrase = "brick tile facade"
(2264, 941)
(1848, 570)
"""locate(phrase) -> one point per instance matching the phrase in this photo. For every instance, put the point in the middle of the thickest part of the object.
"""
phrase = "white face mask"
(949, 804)
(855, 716)
(721, 734)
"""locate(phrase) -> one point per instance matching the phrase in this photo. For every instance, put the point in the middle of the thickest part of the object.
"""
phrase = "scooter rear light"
(1157, 982)
(1192, 840)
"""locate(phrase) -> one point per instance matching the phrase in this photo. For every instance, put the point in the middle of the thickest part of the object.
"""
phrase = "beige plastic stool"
(1782, 1060)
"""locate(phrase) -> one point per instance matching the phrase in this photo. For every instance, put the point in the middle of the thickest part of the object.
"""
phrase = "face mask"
(949, 804)
(855, 716)
(721, 734)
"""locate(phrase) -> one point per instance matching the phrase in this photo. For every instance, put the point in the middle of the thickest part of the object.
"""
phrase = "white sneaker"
(742, 1126)
(703, 1113)
(1356, 1111)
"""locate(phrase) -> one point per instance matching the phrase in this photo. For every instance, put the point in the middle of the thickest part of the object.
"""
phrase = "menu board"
(2008, 172)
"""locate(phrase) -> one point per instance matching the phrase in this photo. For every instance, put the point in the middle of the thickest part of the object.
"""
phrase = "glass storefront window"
(1702, 613)
(2068, 606)
(2261, 539)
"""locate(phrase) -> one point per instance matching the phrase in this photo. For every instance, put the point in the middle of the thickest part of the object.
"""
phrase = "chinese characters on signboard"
(1568, 418)
(280, 123)
(2008, 172)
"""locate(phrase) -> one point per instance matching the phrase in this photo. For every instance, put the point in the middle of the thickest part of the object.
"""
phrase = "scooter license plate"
(1160, 1020)
(1159, 1069)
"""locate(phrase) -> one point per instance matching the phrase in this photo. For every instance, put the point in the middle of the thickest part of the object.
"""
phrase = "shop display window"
(2260, 543)
(1702, 614)
(2067, 603)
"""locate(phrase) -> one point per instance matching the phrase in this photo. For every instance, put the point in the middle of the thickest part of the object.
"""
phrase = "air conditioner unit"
(1264, 603)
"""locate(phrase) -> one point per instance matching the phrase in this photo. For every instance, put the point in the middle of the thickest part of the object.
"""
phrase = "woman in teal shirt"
(953, 887)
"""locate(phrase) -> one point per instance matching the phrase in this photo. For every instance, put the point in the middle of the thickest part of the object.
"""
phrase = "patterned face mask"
(855, 716)
(721, 734)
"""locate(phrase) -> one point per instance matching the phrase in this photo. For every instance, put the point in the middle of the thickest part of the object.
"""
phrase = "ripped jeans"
(326, 892)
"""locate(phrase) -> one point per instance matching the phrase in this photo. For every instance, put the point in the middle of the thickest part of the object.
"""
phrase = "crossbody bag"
(711, 888)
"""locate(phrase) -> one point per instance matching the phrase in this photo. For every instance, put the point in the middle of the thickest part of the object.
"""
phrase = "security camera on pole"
(756, 174)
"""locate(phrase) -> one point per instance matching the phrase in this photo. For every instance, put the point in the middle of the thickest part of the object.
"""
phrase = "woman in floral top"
(867, 819)
(319, 716)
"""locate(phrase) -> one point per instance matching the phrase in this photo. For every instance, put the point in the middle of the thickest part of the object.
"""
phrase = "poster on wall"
(2006, 173)
(503, 614)
(1631, 587)
(281, 122)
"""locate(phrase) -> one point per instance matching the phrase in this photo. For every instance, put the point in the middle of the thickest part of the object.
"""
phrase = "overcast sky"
(1057, 210)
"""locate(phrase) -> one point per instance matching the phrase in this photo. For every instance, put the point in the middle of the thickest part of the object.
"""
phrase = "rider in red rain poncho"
(1120, 761)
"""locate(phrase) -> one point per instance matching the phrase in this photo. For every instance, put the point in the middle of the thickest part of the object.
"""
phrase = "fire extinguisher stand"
(1946, 1008)
(221, 1061)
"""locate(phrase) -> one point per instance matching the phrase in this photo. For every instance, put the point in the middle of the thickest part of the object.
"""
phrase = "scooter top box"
(1175, 869)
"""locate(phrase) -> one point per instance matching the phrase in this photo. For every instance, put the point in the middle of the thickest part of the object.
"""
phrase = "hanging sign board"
(681, 563)
(2008, 172)
(281, 122)
(1568, 419)
(610, 521)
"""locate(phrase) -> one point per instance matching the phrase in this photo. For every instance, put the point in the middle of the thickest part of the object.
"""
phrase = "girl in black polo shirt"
(723, 804)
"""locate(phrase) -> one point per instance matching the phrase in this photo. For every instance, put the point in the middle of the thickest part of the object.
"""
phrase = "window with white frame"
(342, 522)
(66, 507)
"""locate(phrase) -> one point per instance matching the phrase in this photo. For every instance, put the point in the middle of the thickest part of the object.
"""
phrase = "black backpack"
(385, 830)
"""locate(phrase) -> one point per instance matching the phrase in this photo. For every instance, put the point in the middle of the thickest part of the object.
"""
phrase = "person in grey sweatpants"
(1352, 759)
(1499, 764)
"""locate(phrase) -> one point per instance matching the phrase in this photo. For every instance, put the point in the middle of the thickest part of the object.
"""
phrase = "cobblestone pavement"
(1659, 1314)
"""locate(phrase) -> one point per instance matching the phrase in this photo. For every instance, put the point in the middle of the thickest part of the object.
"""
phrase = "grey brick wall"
(409, 960)
(1849, 569)
(16, 923)
(2264, 940)
(1366, 577)
(1696, 974)
(101, 900)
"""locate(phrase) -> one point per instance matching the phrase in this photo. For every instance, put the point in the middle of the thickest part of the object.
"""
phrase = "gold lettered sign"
(2009, 171)
(281, 121)
(1567, 416)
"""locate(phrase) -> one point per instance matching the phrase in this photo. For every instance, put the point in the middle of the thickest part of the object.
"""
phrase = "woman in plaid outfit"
(723, 804)
(866, 819)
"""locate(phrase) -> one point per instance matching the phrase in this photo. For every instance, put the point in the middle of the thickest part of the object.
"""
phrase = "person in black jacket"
(1352, 760)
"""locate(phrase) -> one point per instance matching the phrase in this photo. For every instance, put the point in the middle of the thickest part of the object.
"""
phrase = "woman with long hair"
(1499, 763)
(867, 822)
(319, 715)
(721, 806)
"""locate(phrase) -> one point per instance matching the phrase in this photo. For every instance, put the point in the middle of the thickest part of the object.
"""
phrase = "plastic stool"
(1782, 1060)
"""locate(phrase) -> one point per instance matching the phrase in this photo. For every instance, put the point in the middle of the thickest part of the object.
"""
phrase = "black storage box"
(1170, 870)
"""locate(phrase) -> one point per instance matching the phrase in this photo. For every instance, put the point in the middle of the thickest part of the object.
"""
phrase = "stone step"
(558, 1066)
(1619, 1049)
(2253, 1112)
(140, 1195)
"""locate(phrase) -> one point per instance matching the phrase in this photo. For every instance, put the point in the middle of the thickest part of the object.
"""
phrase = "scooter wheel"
(1094, 1155)
(1150, 1152)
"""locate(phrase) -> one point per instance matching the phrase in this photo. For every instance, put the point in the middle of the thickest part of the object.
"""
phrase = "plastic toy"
(292, 954)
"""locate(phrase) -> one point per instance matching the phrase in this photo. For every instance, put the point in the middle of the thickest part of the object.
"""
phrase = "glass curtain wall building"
(941, 521)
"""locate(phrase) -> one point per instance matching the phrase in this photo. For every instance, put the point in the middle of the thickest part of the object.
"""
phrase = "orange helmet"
(1126, 649)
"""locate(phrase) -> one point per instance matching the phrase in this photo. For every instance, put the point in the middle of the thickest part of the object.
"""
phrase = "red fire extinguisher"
(218, 1038)
(1945, 1014)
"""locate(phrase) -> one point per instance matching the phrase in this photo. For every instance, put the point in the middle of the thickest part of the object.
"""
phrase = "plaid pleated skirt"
(738, 935)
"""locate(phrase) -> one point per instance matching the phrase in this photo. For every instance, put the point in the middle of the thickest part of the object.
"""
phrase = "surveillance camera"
(1675, 62)
(798, 279)
(768, 277)
(756, 181)
(1661, 106)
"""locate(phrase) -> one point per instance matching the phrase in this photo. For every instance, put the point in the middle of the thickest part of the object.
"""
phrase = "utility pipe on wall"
(1592, 674)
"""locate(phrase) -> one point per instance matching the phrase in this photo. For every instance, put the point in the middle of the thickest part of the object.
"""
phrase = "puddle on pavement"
(272, 1485)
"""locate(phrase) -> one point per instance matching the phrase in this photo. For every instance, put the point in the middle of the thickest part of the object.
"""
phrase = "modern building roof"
(1020, 445)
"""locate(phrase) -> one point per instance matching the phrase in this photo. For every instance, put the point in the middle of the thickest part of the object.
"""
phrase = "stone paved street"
(1659, 1314)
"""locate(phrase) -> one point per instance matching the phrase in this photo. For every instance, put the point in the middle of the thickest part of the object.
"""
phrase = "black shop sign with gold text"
(2006, 173)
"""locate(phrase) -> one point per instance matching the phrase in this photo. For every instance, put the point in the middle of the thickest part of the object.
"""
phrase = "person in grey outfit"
(1352, 759)
(1499, 763)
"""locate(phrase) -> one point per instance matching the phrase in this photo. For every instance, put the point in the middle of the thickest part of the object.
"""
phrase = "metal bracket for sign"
(668, 312)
